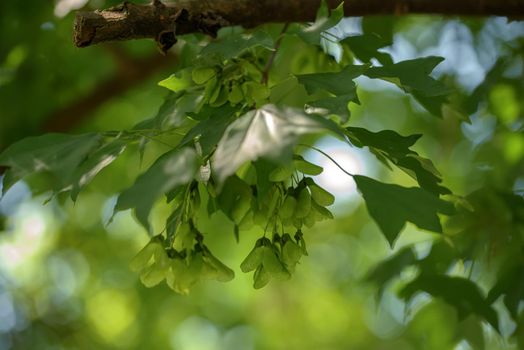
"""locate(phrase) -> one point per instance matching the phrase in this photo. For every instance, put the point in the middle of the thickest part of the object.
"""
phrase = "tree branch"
(163, 22)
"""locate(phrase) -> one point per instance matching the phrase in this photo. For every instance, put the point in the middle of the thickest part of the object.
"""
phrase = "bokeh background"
(64, 276)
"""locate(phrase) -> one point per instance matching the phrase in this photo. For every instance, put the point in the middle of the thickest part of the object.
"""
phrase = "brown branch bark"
(163, 22)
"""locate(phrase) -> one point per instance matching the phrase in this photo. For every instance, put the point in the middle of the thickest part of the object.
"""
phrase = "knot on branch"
(84, 33)
(167, 37)
(209, 22)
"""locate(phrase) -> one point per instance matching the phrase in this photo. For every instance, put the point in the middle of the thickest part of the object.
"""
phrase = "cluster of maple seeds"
(181, 268)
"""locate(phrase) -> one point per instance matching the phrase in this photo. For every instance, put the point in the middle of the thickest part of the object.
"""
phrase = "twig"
(328, 157)
(269, 64)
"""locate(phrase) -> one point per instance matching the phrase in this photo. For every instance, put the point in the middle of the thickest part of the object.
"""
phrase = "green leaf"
(184, 237)
(336, 105)
(202, 75)
(322, 211)
(389, 142)
(174, 168)
(235, 95)
(173, 222)
(153, 275)
(272, 264)
(288, 92)
(253, 260)
(157, 272)
(165, 112)
(306, 167)
(95, 163)
(325, 20)
(338, 83)
(423, 170)
(220, 98)
(288, 207)
(291, 254)
(141, 260)
(303, 206)
(412, 76)
(57, 154)
(233, 45)
(222, 272)
(188, 273)
(261, 277)
(179, 81)
(436, 105)
(263, 186)
(320, 195)
(459, 292)
(177, 107)
(391, 206)
(179, 277)
(268, 132)
(388, 145)
(280, 174)
(365, 47)
(235, 198)
(255, 92)
(209, 131)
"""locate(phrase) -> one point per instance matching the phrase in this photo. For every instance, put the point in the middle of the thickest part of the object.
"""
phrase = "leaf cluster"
(236, 144)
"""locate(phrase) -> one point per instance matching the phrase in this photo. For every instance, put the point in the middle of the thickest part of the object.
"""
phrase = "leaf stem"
(267, 68)
(151, 138)
(159, 132)
(327, 156)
